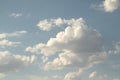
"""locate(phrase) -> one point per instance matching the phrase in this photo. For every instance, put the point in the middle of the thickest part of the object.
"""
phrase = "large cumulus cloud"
(77, 46)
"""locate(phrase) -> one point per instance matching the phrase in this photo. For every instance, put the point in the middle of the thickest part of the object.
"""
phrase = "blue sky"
(59, 40)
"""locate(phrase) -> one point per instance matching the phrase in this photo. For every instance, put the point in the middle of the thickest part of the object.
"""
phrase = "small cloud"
(107, 5)
(56, 77)
(5, 42)
(93, 75)
(47, 25)
(16, 15)
(73, 75)
(12, 34)
(116, 79)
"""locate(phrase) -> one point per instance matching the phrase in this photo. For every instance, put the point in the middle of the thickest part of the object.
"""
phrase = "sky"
(59, 40)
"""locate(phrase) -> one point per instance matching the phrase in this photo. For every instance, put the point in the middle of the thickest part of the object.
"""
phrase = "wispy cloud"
(93, 74)
(4, 43)
(13, 34)
(16, 15)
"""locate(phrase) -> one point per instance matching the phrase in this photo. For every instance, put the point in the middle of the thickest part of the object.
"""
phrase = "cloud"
(2, 75)
(2, 36)
(64, 59)
(116, 79)
(44, 25)
(108, 5)
(4, 43)
(74, 60)
(117, 48)
(96, 76)
(47, 25)
(12, 63)
(77, 44)
(16, 15)
(35, 77)
(57, 77)
(13, 34)
(78, 76)
(93, 75)
(77, 37)
(73, 75)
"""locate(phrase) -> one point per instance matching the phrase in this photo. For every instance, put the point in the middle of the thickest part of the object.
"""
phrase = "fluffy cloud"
(16, 15)
(64, 59)
(81, 46)
(11, 63)
(77, 37)
(46, 25)
(109, 5)
(69, 59)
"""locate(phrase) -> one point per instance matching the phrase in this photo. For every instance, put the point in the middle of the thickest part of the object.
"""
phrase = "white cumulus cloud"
(78, 46)
(109, 5)
(77, 38)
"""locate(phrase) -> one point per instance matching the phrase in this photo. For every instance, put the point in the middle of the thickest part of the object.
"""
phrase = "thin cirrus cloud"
(108, 5)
